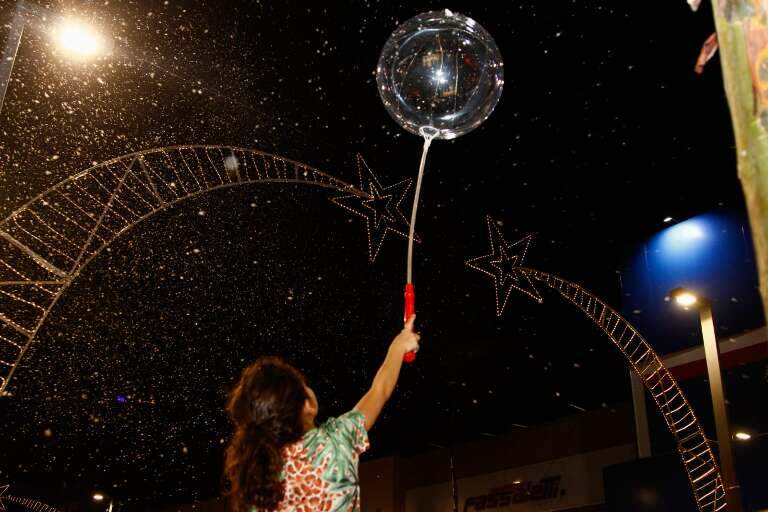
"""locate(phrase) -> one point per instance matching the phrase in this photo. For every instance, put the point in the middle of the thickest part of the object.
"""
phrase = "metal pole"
(10, 52)
(641, 417)
(712, 354)
(454, 486)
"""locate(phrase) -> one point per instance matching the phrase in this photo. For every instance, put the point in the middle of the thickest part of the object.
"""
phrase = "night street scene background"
(603, 143)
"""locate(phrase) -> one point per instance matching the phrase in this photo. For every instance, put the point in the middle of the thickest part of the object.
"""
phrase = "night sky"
(603, 129)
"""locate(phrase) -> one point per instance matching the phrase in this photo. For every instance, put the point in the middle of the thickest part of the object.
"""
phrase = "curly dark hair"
(265, 408)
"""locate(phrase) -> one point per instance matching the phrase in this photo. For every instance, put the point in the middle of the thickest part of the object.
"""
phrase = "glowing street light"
(686, 299)
(742, 436)
(99, 497)
(74, 37)
(78, 39)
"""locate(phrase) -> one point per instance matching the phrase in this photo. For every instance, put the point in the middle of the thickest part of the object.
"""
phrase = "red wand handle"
(410, 310)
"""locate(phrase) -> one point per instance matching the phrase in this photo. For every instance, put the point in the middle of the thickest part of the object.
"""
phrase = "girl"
(278, 461)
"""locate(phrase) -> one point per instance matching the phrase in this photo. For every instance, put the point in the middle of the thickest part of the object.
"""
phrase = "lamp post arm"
(11, 50)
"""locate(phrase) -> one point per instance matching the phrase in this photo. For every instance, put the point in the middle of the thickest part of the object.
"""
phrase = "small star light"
(381, 210)
(504, 266)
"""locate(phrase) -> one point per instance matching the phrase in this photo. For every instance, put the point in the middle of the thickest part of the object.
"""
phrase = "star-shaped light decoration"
(505, 266)
(3, 489)
(381, 209)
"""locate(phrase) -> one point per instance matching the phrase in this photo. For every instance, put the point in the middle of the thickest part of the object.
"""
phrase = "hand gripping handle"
(410, 310)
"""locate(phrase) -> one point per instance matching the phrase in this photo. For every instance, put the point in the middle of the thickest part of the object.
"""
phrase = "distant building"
(555, 466)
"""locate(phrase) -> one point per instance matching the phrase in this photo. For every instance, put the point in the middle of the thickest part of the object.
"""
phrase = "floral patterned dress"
(320, 473)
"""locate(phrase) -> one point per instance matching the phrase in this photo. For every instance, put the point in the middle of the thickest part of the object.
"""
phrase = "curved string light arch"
(26, 503)
(505, 265)
(45, 244)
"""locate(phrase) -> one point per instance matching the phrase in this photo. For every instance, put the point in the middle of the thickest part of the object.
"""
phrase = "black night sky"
(603, 130)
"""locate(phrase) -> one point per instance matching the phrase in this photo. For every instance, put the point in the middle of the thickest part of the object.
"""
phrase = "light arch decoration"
(505, 264)
(45, 244)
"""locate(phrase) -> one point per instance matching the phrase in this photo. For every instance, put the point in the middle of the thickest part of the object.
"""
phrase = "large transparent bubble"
(442, 70)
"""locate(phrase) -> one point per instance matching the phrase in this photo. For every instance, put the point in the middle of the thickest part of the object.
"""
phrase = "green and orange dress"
(320, 472)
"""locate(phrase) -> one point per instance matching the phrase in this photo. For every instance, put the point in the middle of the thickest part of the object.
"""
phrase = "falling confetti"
(169, 312)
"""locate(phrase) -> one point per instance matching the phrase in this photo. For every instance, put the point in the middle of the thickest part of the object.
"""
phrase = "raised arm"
(386, 378)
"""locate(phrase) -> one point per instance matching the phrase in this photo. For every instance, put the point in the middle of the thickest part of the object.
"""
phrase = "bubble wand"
(439, 75)
(429, 133)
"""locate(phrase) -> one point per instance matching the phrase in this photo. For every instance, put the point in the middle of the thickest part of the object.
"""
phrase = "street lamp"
(684, 297)
(74, 37)
(687, 299)
(99, 497)
(78, 39)
(748, 435)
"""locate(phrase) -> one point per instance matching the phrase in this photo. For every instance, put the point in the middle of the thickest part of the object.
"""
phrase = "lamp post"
(73, 37)
(101, 497)
(688, 299)
(11, 49)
